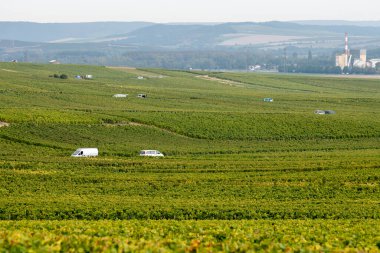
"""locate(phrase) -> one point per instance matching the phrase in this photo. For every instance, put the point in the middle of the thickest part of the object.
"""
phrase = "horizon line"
(185, 22)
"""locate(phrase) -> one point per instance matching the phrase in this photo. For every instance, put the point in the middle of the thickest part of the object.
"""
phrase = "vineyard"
(239, 174)
(191, 236)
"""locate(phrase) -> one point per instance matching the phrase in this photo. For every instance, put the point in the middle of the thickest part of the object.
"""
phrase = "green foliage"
(63, 76)
(228, 156)
(261, 126)
(268, 185)
(191, 236)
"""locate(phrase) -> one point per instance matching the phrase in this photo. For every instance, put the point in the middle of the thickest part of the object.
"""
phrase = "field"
(238, 174)
(249, 39)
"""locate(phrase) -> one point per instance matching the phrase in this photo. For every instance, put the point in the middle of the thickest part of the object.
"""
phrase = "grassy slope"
(229, 154)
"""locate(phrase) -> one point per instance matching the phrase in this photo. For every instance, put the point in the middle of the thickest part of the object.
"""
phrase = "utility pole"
(26, 56)
(246, 60)
(309, 57)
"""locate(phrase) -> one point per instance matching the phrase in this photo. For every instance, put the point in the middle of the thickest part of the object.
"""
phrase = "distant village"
(347, 61)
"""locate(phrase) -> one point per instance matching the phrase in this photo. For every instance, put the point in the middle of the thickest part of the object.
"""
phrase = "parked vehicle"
(322, 112)
(85, 152)
(155, 153)
(120, 95)
(330, 112)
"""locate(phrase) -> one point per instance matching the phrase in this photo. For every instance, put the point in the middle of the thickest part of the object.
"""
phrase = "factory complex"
(349, 60)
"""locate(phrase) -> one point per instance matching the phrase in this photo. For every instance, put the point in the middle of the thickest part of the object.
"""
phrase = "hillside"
(228, 156)
(64, 32)
(338, 23)
(184, 35)
(211, 46)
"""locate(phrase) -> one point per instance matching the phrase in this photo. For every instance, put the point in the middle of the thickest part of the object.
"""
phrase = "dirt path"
(9, 70)
(222, 81)
(139, 72)
(355, 76)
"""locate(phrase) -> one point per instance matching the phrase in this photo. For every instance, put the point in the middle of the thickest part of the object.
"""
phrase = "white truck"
(85, 152)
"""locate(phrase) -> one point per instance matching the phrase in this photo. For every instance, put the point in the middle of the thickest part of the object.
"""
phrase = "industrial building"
(347, 59)
(374, 62)
(362, 61)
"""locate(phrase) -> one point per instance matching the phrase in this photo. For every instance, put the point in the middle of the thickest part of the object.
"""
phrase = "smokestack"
(346, 43)
(346, 48)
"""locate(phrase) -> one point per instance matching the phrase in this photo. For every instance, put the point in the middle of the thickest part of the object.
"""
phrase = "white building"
(374, 62)
(54, 62)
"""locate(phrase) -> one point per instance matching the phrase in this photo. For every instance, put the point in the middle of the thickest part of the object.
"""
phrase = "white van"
(120, 95)
(155, 153)
(85, 152)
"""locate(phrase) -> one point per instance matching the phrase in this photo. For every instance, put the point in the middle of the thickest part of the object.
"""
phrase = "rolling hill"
(185, 45)
(176, 35)
(238, 172)
(64, 32)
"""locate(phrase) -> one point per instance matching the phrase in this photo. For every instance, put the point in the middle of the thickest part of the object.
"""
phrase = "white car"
(154, 153)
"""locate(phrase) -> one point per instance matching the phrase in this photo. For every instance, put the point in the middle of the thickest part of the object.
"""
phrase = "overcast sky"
(187, 11)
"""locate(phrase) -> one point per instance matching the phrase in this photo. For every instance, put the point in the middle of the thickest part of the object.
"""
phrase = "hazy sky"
(187, 11)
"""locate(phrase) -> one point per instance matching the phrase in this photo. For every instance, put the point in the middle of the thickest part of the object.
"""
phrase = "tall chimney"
(346, 52)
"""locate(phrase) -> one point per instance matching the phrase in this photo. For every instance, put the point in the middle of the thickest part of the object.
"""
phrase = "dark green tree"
(63, 76)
